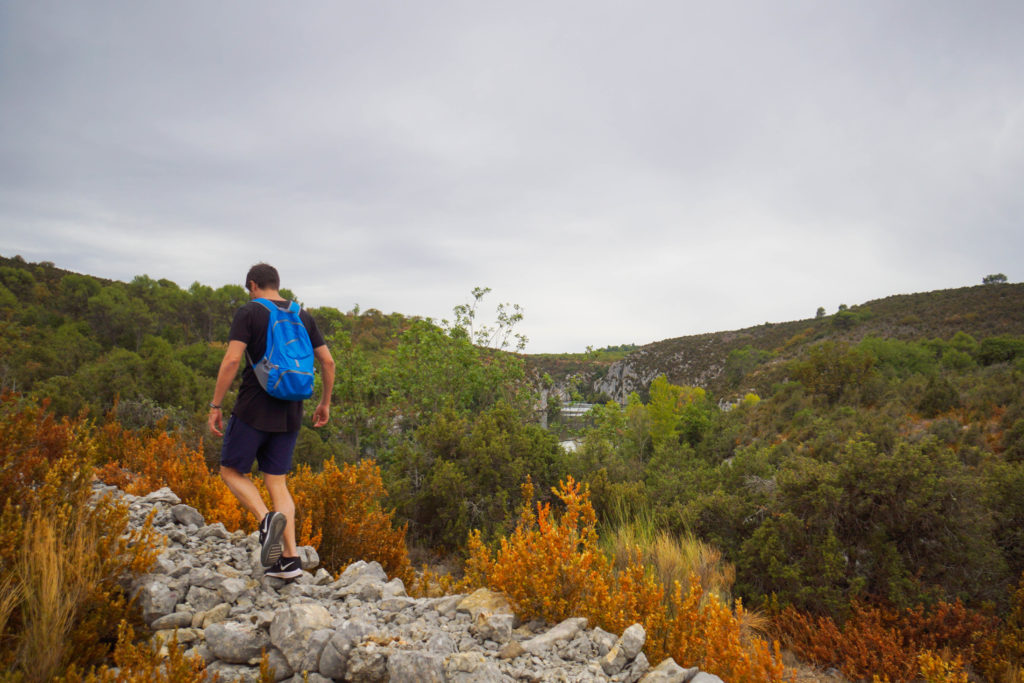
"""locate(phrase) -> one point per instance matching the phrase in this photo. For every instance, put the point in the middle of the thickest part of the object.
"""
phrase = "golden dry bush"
(142, 662)
(551, 567)
(673, 557)
(935, 668)
(343, 509)
(700, 630)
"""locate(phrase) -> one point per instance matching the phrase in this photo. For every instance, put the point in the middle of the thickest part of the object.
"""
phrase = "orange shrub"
(700, 630)
(341, 509)
(142, 462)
(42, 459)
(338, 511)
(551, 567)
(814, 639)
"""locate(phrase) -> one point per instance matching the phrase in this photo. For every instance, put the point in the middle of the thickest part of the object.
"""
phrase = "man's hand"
(216, 421)
(321, 415)
(323, 409)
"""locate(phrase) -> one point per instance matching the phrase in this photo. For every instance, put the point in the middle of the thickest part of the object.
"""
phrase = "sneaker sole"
(271, 549)
(294, 573)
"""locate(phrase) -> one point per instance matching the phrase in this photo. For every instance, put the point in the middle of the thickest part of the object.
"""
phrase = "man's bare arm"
(225, 376)
(323, 409)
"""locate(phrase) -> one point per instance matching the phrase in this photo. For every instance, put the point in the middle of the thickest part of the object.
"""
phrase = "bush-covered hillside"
(722, 361)
(855, 478)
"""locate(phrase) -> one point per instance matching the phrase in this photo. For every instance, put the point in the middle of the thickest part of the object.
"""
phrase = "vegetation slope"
(855, 477)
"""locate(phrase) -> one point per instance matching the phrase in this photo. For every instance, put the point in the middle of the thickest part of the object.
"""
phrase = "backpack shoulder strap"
(266, 303)
(271, 309)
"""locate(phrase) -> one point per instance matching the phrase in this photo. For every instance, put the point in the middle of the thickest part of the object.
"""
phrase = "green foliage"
(830, 369)
(1013, 442)
(119, 319)
(939, 397)
(75, 292)
(1001, 349)
(833, 487)
(18, 281)
(897, 358)
(433, 370)
(618, 348)
(741, 362)
(903, 525)
(461, 473)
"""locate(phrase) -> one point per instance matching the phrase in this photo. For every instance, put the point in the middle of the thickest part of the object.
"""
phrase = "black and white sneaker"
(285, 568)
(271, 530)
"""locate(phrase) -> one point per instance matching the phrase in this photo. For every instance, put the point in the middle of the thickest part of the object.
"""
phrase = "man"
(263, 428)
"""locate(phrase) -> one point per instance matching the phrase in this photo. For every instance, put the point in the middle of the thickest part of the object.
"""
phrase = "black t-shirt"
(255, 407)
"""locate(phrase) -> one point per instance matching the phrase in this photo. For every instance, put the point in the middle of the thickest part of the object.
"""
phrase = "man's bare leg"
(245, 491)
(281, 499)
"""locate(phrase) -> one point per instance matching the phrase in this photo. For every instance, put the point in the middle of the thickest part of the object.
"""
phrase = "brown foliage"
(59, 562)
(1002, 656)
(141, 462)
(893, 644)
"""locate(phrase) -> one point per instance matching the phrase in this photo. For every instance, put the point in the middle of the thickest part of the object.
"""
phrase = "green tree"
(437, 368)
(119, 319)
(741, 362)
(676, 413)
(358, 417)
(1001, 349)
(830, 368)
(75, 292)
(463, 472)
(168, 305)
(939, 396)
(501, 333)
(19, 281)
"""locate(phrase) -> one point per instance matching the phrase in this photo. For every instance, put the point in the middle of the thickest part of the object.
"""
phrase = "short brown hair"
(264, 275)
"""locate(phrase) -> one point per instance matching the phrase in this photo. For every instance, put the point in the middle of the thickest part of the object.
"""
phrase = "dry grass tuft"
(673, 558)
(55, 572)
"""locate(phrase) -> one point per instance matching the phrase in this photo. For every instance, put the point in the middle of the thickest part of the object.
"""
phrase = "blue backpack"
(286, 369)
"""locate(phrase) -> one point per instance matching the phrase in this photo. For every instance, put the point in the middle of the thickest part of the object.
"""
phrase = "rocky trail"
(208, 588)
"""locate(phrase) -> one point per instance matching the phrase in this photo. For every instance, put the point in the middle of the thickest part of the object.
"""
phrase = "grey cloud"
(639, 170)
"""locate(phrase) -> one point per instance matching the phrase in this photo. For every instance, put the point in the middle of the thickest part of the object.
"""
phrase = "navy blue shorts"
(244, 445)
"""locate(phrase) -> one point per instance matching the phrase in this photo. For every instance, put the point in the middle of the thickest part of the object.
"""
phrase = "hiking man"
(263, 428)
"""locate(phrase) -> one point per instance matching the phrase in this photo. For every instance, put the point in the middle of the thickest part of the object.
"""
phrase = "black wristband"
(214, 405)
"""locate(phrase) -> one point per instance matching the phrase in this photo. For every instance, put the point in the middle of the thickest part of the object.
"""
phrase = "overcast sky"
(625, 171)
